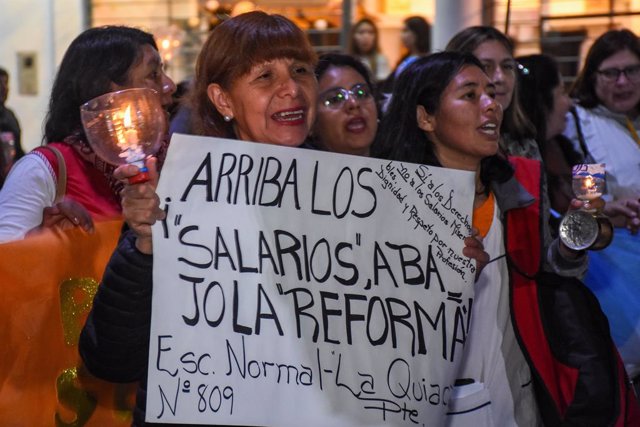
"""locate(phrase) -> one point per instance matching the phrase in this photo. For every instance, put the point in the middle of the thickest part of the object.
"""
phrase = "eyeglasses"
(632, 73)
(508, 66)
(524, 70)
(334, 99)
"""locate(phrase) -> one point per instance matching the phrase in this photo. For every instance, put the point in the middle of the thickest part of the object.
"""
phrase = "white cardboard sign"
(296, 287)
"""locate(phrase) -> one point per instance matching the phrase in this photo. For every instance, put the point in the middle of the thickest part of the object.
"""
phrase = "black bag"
(579, 336)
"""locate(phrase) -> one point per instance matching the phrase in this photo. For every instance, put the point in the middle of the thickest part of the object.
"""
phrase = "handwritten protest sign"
(295, 287)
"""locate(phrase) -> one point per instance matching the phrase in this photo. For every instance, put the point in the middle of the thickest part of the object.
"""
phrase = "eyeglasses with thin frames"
(334, 99)
(610, 75)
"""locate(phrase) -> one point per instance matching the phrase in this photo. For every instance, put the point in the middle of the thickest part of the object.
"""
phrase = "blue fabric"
(405, 63)
(614, 277)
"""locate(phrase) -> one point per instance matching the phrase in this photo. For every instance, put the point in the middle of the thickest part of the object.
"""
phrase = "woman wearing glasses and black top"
(605, 126)
(347, 116)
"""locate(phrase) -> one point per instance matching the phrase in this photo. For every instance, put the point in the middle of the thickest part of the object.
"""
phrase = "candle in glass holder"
(125, 127)
(131, 151)
(130, 133)
(588, 182)
(586, 228)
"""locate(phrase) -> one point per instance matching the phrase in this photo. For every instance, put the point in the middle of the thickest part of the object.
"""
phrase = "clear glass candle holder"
(586, 228)
(125, 127)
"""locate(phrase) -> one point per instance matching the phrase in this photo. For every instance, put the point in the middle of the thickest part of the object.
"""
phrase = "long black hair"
(538, 75)
(422, 31)
(423, 83)
(95, 60)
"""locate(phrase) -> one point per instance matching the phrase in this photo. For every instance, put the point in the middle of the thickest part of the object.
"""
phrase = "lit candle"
(590, 188)
(130, 134)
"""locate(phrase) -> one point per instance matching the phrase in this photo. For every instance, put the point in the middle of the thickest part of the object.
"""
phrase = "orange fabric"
(48, 283)
(633, 132)
(483, 216)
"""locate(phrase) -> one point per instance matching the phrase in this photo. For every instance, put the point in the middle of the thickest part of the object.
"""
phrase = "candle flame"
(589, 182)
(127, 117)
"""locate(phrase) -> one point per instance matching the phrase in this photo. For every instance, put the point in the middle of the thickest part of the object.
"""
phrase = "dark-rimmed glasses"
(334, 99)
(632, 73)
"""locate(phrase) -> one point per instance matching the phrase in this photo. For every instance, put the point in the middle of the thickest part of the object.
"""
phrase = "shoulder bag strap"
(61, 184)
(583, 144)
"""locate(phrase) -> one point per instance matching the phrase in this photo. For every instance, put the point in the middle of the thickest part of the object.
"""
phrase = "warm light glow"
(130, 140)
(169, 40)
(588, 183)
(567, 7)
(127, 117)
(589, 188)
(243, 7)
(212, 5)
(193, 22)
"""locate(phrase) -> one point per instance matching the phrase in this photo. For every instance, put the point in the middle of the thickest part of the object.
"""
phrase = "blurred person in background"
(364, 45)
(546, 104)
(10, 133)
(416, 42)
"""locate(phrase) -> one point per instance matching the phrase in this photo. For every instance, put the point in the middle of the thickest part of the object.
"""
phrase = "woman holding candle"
(98, 61)
(608, 115)
(495, 51)
(254, 82)
(605, 126)
(445, 112)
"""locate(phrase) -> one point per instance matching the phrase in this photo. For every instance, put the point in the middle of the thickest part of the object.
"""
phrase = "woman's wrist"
(144, 244)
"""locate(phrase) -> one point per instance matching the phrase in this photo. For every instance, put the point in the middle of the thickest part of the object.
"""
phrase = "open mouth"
(289, 117)
(356, 125)
(490, 129)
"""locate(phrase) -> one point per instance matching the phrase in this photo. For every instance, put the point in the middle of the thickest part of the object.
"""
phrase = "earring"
(227, 119)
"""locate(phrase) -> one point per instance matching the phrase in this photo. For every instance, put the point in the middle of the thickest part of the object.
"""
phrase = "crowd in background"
(474, 106)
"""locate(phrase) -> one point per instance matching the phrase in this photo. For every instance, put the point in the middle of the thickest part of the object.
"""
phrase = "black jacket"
(114, 343)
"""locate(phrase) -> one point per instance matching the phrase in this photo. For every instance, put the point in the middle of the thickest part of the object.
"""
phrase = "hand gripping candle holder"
(587, 228)
(125, 127)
